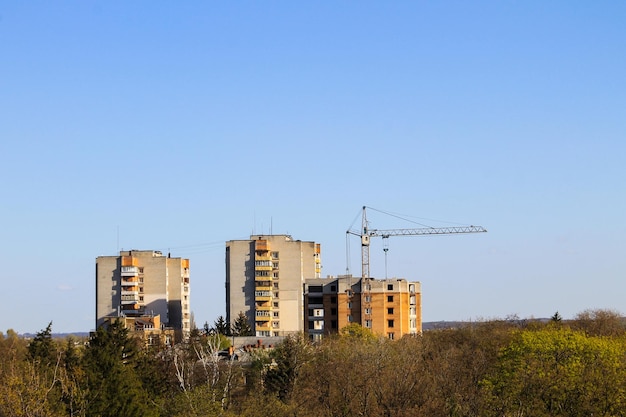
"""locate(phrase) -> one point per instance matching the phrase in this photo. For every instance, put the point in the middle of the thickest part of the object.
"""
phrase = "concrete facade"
(388, 307)
(264, 280)
(143, 283)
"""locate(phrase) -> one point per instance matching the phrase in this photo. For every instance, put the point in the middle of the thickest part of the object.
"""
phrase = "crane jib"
(426, 231)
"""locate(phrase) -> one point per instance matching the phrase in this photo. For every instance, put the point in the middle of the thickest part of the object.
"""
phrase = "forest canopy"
(494, 368)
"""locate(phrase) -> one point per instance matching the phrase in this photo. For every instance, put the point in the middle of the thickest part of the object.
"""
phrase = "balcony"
(129, 261)
(262, 257)
(263, 317)
(262, 325)
(129, 282)
(261, 245)
(130, 291)
(130, 271)
(130, 299)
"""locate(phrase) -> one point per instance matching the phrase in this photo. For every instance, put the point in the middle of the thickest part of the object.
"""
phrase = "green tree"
(241, 326)
(42, 349)
(558, 371)
(356, 331)
(221, 327)
(556, 317)
(72, 379)
(287, 360)
(114, 387)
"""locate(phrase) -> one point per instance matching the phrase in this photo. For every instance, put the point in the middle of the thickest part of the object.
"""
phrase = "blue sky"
(153, 125)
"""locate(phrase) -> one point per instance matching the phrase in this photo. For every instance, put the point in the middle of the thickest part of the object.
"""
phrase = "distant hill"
(77, 335)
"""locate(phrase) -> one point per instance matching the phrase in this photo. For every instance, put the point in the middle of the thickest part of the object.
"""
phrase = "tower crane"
(366, 233)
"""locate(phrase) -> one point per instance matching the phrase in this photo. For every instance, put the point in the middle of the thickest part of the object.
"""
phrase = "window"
(275, 274)
(390, 336)
(412, 288)
(350, 304)
(275, 265)
(275, 314)
(389, 323)
(350, 318)
(333, 324)
(275, 324)
(412, 311)
(318, 312)
(315, 288)
(390, 298)
(368, 324)
(275, 304)
(390, 311)
(333, 288)
(141, 269)
(276, 294)
(274, 255)
(368, 311)
(141, 298)
(389, 287)
(140, 289)
(333, 300)
(333, 311)
(368, 299)
(412, 300)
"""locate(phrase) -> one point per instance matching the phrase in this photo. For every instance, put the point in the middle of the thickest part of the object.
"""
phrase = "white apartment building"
(140, 283)
(265, 278)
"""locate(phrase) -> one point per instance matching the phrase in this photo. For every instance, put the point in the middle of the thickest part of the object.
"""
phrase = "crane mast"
(366, 233)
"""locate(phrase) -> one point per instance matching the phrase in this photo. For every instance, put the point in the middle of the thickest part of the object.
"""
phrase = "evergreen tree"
(72, 392)
(288, 358)
(241, 327)
(221, 327)
(42, 349)
(114, 388)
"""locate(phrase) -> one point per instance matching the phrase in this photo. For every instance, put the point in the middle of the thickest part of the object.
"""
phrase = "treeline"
(493, 368)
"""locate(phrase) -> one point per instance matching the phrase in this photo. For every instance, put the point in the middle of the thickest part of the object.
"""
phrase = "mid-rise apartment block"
(265, 278)
(141, 284)
(388, 307)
